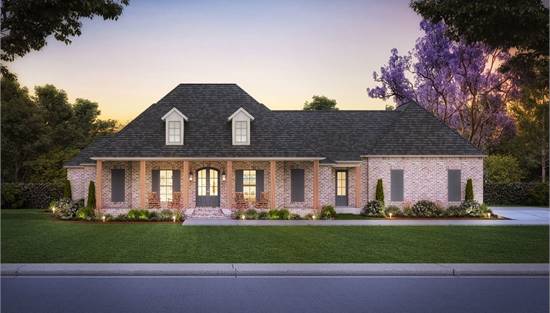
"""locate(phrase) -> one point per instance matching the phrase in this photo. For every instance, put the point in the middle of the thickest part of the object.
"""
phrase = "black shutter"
(453, 185)
(259, 183)
(155, 180)
(117, 185)
(297, 185)
(176, 181)
(397, 189)
(239, 181)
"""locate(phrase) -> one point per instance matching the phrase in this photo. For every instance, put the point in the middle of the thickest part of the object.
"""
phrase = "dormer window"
(174, 125)
(240, 127)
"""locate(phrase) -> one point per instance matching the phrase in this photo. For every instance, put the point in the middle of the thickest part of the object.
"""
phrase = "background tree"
(502, 169)
(320, 103)
(25, 25)
(456, 81)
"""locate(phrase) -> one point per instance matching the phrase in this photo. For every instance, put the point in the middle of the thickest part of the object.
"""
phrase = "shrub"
(166, 215)
(251, 214)
(273, 214)
(394, 210)
(67, 194)
(294, 216)
(327, 212)
(426, 208)
(136, 214)
(471, 208)
(373, 208)
(284, 214)
(238, 214)
(85, 213)
(309, 216)
(502, 169)
(455, 211)
(91, 195)
(469, 194)
(154, 216)
(380, 191)
(108, 217)
(538, 195)
(530, 193)
(263, 215)
(29, 195)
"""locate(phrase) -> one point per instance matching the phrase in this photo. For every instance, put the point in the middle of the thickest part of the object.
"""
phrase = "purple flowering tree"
(457, 82)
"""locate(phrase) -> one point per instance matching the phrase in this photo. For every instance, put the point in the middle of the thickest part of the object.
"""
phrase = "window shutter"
(259, 183)
(397, 189)
(453, 185)
(297, 185)
(176, 181)
(239, 181)
(155, 181)
(117, 185)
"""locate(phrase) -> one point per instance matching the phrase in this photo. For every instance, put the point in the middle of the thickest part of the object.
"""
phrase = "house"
(213, 146)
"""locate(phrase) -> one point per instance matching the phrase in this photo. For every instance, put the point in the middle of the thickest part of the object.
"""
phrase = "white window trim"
(169, 184)
(241, 115)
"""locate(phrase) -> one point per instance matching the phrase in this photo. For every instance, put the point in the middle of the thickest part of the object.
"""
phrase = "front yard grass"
(32, 236)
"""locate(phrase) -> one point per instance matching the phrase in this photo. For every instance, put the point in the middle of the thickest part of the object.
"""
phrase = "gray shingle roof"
(334, 135)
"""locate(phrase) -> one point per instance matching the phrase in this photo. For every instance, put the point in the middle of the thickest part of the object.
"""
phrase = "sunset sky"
(281, 52)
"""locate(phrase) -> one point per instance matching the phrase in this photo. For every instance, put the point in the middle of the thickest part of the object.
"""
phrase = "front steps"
(210, 213)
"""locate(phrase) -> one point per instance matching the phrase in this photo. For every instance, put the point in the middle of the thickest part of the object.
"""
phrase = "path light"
(242, 217)
(53, 209)
(103, 218)
(488, 214)
(390, 215)
(174, 218)
(313, 216)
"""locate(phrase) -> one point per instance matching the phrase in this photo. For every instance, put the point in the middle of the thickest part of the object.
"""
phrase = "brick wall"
(80, 178)
(425, 178)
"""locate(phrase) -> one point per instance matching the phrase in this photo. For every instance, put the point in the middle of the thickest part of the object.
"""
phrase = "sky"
(281, 52)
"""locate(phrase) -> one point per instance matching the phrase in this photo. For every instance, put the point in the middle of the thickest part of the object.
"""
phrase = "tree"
(23, 131)
(91, 196)
(469, 193)
(27, 24)
(502, 169)
(320, 103)
(67, 193)
(380, 191)
(456, 81)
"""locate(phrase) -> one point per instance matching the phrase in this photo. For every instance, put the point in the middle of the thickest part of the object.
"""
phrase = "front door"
(208, 187)
(341, 188)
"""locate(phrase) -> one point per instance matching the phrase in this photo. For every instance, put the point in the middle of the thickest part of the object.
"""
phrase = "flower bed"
(427, 209)
(66, 209)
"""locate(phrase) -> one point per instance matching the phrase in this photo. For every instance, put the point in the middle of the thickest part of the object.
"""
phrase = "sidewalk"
(266, 269)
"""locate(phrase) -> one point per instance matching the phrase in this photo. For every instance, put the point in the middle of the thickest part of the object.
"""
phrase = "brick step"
(206, 213)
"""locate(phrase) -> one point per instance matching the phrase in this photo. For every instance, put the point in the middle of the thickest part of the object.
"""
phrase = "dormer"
(240, 127)
(174, 126)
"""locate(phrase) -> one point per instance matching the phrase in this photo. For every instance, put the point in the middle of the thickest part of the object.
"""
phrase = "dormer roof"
(174, 110)
(243, 111)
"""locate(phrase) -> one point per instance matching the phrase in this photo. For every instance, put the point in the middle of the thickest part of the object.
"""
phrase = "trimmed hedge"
(531, 193)
(29, 195)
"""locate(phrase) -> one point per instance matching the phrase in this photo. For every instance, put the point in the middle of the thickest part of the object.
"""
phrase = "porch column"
(358, 186)
(230, 184)
(316, 185)
(98, 185)
(185, 185)
(272, 184)
(142, 196)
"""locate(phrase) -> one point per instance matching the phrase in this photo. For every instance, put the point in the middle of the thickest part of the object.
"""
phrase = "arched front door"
(208, 187)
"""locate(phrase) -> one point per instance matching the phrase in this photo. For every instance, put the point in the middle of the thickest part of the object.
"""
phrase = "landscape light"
(103, 218)
(242, 217)
(53, 209)
(174, 218)
(391, 215)
(313, 217)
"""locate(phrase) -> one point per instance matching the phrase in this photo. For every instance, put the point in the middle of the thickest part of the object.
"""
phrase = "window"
(241, 132)
(213, 182)
(201, 182)
(397, 189)
(117, 185)
(297, 185)
(166, 185)
(249, 185)
(453, 185)
(174, 131)
(341, 182)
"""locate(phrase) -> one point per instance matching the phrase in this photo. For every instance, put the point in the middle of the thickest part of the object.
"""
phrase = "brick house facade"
(209, 142)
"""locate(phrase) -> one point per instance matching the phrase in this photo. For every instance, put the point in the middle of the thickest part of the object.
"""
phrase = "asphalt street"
(275, 294)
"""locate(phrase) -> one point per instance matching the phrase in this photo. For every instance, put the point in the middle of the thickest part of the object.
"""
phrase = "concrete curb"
(264, 269)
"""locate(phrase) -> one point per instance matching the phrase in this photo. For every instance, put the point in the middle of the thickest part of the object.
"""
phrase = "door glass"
(213, 182)
(201, 182)
(341, 181)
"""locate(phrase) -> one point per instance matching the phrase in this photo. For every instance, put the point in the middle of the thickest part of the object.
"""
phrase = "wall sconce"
(190, 176)
(223, 176)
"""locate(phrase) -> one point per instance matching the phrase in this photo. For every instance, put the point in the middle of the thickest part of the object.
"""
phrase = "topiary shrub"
(327, 212)
(469, 194)
(426, 208)
(393, 210)
(251, 214)
(380, 191)
(374, 208)
(91, 196)
(67, 193)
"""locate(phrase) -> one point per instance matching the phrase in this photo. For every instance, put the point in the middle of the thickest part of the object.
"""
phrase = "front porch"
(191, 186)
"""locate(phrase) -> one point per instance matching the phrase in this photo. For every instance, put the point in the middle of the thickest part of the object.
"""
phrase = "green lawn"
(33, 236)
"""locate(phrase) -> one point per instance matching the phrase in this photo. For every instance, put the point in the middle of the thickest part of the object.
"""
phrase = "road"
(275, 294)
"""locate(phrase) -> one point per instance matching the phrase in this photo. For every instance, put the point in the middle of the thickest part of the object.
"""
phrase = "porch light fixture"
(190, 176)
(223, 176)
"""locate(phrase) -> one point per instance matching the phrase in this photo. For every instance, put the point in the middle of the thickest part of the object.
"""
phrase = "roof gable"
(174, 111)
